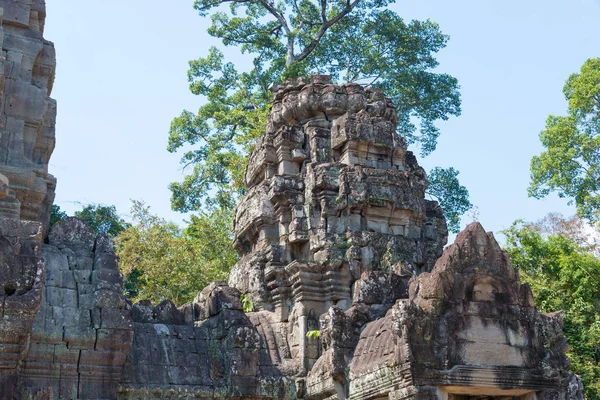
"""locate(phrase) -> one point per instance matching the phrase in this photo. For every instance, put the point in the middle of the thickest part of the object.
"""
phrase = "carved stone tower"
(27, 113)
(27, 116)
(332, 193)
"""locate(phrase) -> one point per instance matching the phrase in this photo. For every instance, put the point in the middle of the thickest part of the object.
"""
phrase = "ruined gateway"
(335, 235)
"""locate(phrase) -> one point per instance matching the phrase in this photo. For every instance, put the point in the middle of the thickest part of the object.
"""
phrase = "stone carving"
(336, 238)
(467, 328)
(27, 113)
(332, 193)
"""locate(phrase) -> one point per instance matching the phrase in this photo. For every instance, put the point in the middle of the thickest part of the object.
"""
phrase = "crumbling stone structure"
(27, 113)
(340, 253)
(65, 327)
(82, 332)
(332, 193)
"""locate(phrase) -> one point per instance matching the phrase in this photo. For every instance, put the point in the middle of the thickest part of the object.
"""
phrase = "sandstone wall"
(83, 329)
(206, 349)
(21, 287)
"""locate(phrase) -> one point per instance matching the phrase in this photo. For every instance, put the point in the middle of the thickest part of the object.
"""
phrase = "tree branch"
(324, 27)
(276, 29)
(374, 80)
(298, 11)
(217, 3)
(290, 37)
(276, 14)
(249, 98)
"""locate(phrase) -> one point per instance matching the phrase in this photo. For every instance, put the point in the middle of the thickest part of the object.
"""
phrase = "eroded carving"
(28, 114)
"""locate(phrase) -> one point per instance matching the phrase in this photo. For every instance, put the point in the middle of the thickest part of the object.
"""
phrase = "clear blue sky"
(121, 78)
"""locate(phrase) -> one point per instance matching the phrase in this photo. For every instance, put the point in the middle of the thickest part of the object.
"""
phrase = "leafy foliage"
(452, 196)
(570, 164)
(577, 229)
(357, 40)
(132, 284)
(56, 214)
(247, 303)
(313, 334)
(102, 219)
(161, 261)
(563, 276)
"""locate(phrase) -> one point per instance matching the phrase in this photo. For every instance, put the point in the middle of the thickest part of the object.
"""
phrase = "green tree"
(56, 214)
(453, 197)
(355, 40)
(579, 230)
(211, 232)
(570, 163)
(161, 261)
(102, 219)
(563, 276)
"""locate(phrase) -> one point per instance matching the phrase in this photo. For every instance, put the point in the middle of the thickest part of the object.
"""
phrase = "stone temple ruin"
(335, 237)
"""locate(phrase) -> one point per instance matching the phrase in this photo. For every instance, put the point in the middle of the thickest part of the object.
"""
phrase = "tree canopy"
(570, 163)
(56, 214)
(454, 198)
(101, 218)
(356, 40)
(161, 261)
(577, 229)
(563, 275)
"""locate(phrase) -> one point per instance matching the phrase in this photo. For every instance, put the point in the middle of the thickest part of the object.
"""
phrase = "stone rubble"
(341, 256)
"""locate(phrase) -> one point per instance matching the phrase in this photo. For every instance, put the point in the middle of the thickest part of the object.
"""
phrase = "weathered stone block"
(74, 234)
(16, 13)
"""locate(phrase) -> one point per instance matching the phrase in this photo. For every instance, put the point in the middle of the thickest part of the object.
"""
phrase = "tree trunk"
(289, 59)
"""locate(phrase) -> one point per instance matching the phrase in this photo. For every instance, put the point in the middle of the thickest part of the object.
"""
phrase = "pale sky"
(121, 79)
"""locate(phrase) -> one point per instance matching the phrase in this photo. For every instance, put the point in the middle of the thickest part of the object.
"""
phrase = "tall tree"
(161, 261)
(56, 214)
(102, 219)
(570, 164)
(563, 276)
(453, 197)
(351, 40)
(577, 229)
